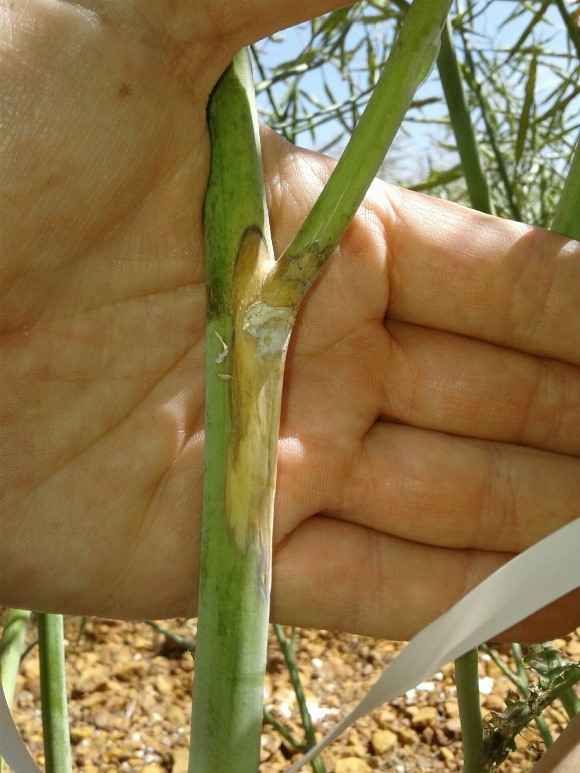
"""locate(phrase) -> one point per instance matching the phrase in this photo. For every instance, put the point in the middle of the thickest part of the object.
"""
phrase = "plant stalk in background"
(467, 682)
(53, 694)
(566, 218)
(565, 222)
(466, 667)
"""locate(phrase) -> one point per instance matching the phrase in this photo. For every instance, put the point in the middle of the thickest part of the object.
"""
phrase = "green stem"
(284, 732)
(571, 24)
(567, 222)
(523, 684)
(520, 681)
(182, 643)
(521, 669)
(466, 667)
(570, 702)
(566, 219)
(409, 62)
(467, 682)
(53, 694)
(475, 86)
(471, 164)
(11, 645)
(288, 652)
(245, 352)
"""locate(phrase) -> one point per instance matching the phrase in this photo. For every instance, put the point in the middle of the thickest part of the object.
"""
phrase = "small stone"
(446, 754)
(30, 667)
(180, 761)
(406, 736)
(269, 745)
(78, 734)
(32, 685)
(357, 750)
(386, 717)
(493, 702)
(91, 680)
(521, 742)
(453, 727)
(493, 669)
(424, 716)
(128, 671)
(105, 720)
(448, 671)
(177, 716)
(163, 685)
(140, 643)
(351, 765)
(572, 648)
(383, 741)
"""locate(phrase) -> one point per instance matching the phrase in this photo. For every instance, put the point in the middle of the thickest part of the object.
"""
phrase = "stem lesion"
(255, 394)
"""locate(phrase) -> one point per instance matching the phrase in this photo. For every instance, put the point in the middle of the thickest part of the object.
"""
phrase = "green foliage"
(552, 675)
(519, 63)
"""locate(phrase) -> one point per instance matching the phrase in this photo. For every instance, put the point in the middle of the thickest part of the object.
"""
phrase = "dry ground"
(129, 703)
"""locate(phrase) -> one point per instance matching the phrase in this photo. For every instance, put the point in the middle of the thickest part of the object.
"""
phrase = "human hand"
(430, 424)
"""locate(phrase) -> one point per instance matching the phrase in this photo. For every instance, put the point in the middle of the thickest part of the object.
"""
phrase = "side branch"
(410, 61)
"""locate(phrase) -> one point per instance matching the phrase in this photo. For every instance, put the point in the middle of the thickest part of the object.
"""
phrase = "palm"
(103, 357)
(105, 309)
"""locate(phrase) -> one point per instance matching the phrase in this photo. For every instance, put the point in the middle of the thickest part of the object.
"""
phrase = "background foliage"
(519, 62)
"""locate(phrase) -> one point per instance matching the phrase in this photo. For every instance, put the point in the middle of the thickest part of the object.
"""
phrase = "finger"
(462, 271)
(456, 492)
(339, 576)
(429, 379)
(459, 385)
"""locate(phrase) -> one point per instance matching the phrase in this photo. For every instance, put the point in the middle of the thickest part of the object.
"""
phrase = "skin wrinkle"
(410, 492)
(367, 484)
(190, 289)
(412, 394)
(510, 383)
(87, 444)
(533, 289)
(483, 282)
(501, 493)
(554, 394)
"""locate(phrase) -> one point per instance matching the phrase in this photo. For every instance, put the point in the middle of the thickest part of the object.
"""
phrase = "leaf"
(526, 109)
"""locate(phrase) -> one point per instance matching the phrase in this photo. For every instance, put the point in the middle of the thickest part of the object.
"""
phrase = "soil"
(129, 689)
